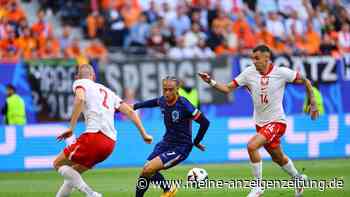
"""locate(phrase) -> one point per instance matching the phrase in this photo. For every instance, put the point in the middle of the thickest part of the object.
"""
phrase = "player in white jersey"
(98, 104)
(266, 84)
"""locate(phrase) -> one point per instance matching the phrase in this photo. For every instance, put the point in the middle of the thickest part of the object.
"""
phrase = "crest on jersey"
(264, 81)
(175, 115)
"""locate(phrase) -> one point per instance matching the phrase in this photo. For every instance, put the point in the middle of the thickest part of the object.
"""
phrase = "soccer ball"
(197, 175)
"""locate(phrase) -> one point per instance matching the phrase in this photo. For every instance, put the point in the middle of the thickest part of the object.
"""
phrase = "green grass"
(120, 181)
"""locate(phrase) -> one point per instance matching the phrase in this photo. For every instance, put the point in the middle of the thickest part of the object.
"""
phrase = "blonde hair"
(85, 71)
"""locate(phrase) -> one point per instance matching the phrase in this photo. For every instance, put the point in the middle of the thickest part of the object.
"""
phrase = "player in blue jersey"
(177, 143)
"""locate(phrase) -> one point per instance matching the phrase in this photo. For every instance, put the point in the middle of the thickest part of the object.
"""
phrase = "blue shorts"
(170, 154)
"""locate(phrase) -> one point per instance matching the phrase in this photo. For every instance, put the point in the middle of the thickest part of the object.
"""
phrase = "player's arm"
(147, 104)
(79, 100)
(132, 115)
(312, 108)
(225, 88)
(203, 127)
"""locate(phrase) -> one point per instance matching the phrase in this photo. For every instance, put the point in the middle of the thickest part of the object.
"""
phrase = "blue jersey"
(178, 120)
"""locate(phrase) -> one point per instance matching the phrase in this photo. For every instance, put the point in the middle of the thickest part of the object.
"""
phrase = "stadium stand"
(176, 29)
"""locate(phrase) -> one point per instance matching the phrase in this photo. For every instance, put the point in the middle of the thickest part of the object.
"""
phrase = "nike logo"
(172, 153)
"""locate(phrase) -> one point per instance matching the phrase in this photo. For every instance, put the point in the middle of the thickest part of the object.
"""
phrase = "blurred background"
(133, 44)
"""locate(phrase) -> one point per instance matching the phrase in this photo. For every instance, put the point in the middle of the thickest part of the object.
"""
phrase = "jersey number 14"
(264, 99)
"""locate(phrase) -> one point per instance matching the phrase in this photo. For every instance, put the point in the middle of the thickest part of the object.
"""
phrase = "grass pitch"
(121, 182)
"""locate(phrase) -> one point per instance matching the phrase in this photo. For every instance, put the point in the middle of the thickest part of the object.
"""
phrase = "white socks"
(73, 178)
(65, 189)
(257, 170)
(290, 168)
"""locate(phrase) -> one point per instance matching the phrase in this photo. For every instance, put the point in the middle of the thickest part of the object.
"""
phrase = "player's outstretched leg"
(253, 146)
(159, 179)
(65, 189)
(151, 174)
(287, 165)
(71, 174)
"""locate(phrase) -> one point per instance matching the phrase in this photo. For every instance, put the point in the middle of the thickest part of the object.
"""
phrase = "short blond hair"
(85, 71)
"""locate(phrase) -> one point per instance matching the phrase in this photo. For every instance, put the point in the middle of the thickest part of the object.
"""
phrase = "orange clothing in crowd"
(96, 51)
(280, 47)
(221, 23)
(94, 22)
(28, 46)
(198, 2)
(249, 40)
(106, 4)
(223, 49)
(3, 12)
(131, 15)
(10, 49)
(50, 50)
(16, 16)
(5, 44)
(3, 3)
(310, 42)
(73, 52)
(240, 26)
(9, 56)
(42, 29)
(265, 37)
(43, 40)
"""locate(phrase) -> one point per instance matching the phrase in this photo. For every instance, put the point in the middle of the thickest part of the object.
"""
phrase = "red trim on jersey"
(235, 83)
(79, 87)
(197, 115)
(297, 77)
(268, 70)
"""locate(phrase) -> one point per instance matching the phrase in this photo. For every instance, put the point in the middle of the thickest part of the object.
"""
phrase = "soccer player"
(177, 143)
(266, 84)
(98, 104)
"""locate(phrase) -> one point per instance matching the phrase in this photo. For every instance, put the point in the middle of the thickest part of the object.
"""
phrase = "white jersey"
(267, 92)
(99, 108)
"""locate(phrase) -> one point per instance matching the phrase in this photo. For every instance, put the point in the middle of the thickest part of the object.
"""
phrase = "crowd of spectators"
(19, 39)
(178, 28)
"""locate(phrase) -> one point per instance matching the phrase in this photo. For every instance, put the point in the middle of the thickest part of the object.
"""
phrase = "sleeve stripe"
(195, 112)
(79, 86)
(235, 83)
(197, 115)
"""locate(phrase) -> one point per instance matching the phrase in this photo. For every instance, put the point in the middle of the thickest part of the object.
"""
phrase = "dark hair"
(263, 48)
(11, 87)
(173, 78)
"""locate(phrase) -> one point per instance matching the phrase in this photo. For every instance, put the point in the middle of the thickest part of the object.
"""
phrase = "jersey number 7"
(105, 96)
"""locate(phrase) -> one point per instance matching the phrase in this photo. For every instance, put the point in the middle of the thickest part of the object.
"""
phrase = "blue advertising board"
(34, 146)
(16, 74)
(55, 89)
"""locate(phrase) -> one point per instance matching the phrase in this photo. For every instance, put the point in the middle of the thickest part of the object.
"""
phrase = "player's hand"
(205, 76)
(313, 111)
(65, 135)
(200, 146)
(148, 138)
